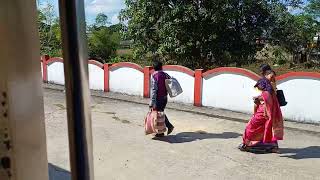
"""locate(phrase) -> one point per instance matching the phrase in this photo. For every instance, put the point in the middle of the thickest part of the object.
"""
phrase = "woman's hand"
(257, 99)
(153, 108)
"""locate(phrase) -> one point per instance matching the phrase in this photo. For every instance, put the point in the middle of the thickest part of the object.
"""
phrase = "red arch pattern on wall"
(232, 70)
(198, 74)
(54, 59)
(127, 65)
(97, 63)
(292, 75)
(177, 68)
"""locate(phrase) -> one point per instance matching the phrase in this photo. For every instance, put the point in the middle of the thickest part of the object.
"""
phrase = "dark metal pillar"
(72, 18)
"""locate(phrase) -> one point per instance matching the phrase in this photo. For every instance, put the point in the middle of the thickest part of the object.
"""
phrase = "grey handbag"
(173, 87)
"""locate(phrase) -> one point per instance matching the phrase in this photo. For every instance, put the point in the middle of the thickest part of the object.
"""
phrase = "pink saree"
(266, 125)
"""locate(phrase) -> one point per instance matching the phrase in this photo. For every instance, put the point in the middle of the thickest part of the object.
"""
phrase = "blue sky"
(93, 7)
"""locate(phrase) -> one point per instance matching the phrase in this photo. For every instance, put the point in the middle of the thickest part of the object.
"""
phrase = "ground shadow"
(57, 173)
(185, 137)
(302, 153)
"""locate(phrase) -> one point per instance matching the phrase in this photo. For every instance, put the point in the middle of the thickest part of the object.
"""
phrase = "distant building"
(126, 44)
(316, 38)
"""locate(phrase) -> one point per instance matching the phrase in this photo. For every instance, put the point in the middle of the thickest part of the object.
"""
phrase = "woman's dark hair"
(264, 68)
(269, 72)
(157, 64)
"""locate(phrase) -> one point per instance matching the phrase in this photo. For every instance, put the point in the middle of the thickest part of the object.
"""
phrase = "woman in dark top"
(159, 94)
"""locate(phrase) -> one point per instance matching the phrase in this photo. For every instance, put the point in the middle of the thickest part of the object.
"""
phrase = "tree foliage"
(193, 33)
(313, 9)
(197, 33)
(294, 31)
(49, 31)
(101, 20)
(103, 40)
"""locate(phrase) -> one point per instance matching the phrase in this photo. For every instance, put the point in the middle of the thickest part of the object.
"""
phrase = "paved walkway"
(201, 147)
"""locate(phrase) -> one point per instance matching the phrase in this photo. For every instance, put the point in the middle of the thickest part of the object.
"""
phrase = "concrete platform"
(202, 147)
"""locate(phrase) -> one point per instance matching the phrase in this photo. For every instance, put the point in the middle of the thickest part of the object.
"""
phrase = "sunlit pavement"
(200, 147)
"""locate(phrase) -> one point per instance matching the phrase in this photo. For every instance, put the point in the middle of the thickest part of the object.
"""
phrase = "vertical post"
(198, 87)
(44, 60)
(106, 69)
(72, 18)
(23, 150)
(146, 83)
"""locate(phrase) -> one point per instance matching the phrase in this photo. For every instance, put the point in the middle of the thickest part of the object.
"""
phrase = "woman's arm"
(167, 76)
(154, 92)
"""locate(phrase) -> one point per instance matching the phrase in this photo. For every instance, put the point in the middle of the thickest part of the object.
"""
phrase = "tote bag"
(155, 122)
(173, 87)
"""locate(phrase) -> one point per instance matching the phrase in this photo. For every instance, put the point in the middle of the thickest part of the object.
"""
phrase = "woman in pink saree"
(266, 126)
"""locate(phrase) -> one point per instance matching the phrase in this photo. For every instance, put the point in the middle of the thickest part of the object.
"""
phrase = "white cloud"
(115, 19)
(94, 7)
(109, 7)
(290, 8)
(41, 4)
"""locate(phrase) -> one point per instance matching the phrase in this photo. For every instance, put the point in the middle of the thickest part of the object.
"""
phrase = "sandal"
(159, 135)
(242, 147)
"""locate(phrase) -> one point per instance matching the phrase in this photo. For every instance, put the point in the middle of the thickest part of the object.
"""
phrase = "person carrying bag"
(159, 96)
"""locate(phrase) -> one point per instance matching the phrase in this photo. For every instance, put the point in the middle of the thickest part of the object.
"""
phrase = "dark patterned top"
(264, 84)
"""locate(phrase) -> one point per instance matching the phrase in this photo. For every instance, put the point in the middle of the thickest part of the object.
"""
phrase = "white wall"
(187, 84)
(303, 97)
(56, 73)
(96, 77)
(126, 80)
(228, 91)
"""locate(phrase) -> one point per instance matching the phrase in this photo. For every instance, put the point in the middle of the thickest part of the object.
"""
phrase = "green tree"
(103, 40)
(116, 28)
(293, 31)
(313, 9)
(49, 31)
(190, 32)
(101, 20)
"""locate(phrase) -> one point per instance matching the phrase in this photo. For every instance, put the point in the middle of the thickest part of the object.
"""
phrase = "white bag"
(173, 87)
